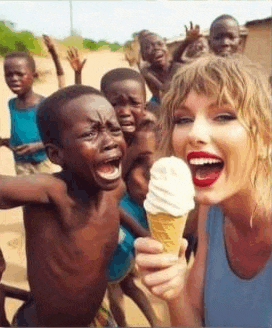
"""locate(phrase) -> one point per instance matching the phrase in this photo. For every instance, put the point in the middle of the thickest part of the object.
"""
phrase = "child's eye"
(179, 120)
(225, 117)
(116, 129)
(88, 134)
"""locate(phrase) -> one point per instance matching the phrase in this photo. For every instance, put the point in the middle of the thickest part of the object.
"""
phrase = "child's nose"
(108, 142)
(124, 111)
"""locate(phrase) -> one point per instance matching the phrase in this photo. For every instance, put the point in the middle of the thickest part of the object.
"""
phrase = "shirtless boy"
(71, 218)
(159, 73)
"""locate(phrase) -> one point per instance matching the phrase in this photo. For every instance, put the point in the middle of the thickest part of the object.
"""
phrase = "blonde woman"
(219, 108)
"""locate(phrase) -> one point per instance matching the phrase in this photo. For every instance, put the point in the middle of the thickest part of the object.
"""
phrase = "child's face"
(217, 147)
(138, 177)
(92, 143)
(155, 51)
(225, 37)
(128, 99)
(18, 75)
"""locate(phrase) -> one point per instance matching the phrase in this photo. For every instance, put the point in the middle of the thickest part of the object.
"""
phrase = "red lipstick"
(205, 170)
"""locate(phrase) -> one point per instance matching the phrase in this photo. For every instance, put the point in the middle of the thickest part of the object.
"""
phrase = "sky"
(116, 21)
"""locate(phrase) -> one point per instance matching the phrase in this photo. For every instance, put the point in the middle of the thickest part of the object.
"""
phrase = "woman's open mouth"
(110, 169)
(205, 168)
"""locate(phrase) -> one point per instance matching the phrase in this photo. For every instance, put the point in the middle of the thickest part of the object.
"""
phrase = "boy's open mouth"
(205, 170)
(110, 169)
(127, 126)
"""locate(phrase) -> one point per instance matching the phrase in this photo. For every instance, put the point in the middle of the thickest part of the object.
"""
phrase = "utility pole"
(71, 18)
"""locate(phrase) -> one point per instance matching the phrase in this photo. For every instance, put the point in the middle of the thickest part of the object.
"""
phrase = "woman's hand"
(162, 273)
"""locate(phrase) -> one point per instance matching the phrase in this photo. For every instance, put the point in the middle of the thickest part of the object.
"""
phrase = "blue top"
(123, 257)
(231, 301)
(24, 130)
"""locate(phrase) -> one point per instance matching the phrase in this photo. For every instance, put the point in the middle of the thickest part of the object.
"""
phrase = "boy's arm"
(192, 35)
(135, 227)
(4, 142)
(30, 148)
(76, 63)
(52, 50)
(33, 189)
(152, 81)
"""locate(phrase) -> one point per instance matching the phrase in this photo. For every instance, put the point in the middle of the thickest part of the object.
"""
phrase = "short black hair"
(25, 55)
(50, 110)
(224, 17)
(121, 74)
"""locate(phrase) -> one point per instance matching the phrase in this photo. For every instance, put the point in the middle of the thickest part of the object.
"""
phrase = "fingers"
(191, 25)
(84, 61)
(148, 245)
(156, 261)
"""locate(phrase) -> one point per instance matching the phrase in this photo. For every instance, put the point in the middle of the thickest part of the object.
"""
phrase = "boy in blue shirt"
(25, 141)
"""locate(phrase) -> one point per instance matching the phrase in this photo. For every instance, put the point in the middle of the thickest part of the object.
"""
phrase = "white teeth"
(202, 161)
(113, 175)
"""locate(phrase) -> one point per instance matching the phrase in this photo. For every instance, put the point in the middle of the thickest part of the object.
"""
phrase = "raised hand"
(74, 59)
(49, 43)
(192, 32)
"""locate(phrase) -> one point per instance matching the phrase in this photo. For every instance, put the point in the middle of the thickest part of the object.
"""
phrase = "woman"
(219, 108)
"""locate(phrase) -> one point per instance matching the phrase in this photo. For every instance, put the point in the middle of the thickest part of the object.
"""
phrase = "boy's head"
(224, 35)
(125, 90)
(20, 72)
(81, 133)
(154, 50)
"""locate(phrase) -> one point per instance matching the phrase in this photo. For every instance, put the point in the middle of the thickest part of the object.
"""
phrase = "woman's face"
(216, 145)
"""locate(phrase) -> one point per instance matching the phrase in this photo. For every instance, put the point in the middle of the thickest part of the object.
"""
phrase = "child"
(218, 110)
(120, 273)
(72, 217)
(25, 141)
(158, 74)
(125, 90)
(224, 39)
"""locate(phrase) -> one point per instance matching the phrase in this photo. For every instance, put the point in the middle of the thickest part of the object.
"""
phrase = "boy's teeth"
(203, 161)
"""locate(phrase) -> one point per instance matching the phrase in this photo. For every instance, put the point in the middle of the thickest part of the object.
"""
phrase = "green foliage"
(18, 41)
(102, 44)
(73, 41)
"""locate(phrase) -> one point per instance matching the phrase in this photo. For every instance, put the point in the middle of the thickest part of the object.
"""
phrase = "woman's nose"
(200, 132)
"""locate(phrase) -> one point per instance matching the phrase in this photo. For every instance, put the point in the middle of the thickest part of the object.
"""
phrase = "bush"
(18, 41)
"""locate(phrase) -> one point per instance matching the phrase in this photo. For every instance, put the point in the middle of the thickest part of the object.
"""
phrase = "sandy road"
(11, 226)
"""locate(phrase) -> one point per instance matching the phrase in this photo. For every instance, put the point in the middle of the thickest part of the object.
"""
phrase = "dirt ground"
(11, 226)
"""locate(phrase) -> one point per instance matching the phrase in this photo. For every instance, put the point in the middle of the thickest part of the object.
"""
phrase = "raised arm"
(192, 35)
(52, 50)
(76, 63)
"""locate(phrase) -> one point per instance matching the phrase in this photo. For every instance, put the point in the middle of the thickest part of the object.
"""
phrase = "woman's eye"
(182, 120)
(225, 117)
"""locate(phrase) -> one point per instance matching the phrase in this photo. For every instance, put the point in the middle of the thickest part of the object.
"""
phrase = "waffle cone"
(167, 229)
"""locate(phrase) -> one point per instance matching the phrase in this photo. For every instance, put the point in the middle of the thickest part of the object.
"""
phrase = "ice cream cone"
(168, 230)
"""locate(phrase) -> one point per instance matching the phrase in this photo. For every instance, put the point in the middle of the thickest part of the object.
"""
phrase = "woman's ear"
(54, 153)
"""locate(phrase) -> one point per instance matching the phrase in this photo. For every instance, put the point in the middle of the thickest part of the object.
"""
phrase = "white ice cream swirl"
(171, 188)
